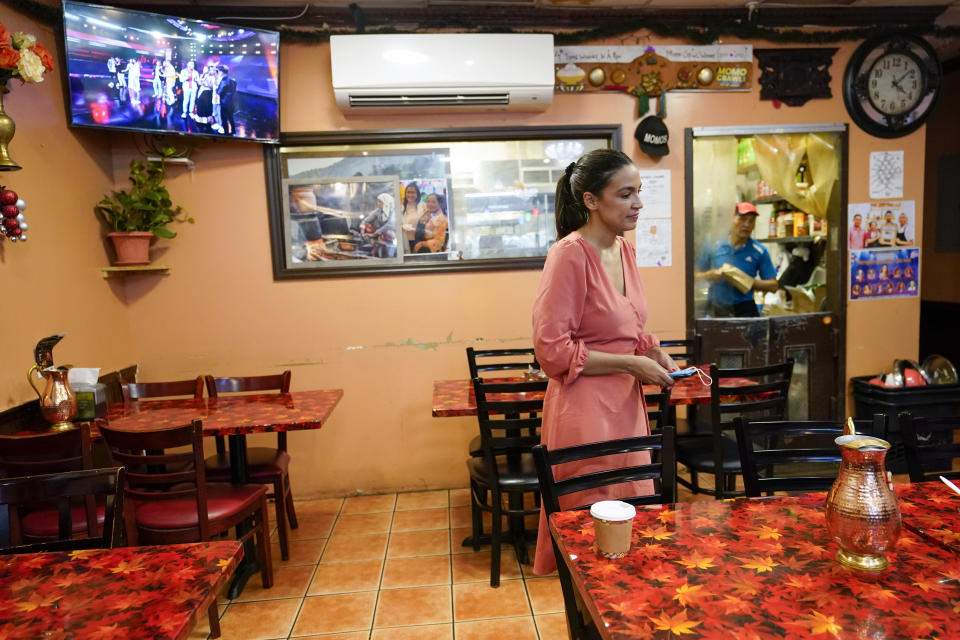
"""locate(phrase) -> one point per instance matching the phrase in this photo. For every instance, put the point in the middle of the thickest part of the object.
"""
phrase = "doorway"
(794, 181)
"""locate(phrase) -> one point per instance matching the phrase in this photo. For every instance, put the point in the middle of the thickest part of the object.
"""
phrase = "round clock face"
(891, 84)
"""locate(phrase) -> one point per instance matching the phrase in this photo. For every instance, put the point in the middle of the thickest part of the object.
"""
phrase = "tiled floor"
(391, 567)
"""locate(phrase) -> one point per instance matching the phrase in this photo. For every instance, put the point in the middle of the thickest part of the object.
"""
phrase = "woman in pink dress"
(588, 320)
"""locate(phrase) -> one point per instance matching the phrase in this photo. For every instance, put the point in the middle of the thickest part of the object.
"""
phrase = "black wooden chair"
(132, 391)
(65, 491)
(265, 465)
(506, 466)
(765, 399)
(931, 445)
(661, 469)
(113, 380)
(793, 456)
(684, 354)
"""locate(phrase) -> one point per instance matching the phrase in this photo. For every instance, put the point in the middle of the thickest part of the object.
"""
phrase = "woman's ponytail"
(570, 213)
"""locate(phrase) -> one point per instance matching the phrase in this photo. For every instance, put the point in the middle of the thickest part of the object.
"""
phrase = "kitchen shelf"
(157, 269)
(788, 239)
(187, 162)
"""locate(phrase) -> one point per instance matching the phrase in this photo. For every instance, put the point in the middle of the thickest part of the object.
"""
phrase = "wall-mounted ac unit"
(442, 71)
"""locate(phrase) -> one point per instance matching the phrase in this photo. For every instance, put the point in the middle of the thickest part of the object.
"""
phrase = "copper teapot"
(58, 402)
(862, 513)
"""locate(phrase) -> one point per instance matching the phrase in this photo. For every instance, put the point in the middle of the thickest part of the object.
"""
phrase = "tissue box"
(91, 400)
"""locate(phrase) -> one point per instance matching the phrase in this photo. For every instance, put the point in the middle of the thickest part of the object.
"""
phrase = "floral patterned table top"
(756, 569)
(230, 415)
(129, 593)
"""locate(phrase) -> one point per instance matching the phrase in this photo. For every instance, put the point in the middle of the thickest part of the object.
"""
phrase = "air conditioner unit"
(442, 71)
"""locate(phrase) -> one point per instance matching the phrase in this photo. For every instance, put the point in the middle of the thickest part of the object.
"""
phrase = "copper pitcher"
(58, 402)
(862, 512)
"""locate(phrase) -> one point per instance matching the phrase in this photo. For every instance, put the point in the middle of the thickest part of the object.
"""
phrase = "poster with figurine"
(884, 273)
(881, 225)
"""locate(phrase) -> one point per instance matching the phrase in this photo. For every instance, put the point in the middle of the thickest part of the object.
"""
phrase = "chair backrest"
(140, 390)
(64, 490)
(114, 379)
(682, 351)
(162, 464)
(783, 455)
(931, 445)
(279, 382)
(46, 452)
(486, 360)
(764, 397)
(658, 408)
(662, 467)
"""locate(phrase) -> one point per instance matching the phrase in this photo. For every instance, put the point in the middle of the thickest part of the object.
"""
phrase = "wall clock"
(891, 84)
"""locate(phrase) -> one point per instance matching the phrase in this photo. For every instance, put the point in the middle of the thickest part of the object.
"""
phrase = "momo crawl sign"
(653, 69)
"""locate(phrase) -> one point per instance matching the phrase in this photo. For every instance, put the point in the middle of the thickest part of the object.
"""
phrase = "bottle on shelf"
(773, 225)
(803, 174)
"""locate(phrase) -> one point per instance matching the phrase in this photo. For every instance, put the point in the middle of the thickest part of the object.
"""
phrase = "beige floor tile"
(416, 572)
(552, 626)
(423, 500)
(363, 523)
(326, 506)
(545, 595)
(369, 504)
(521, 628)
(417, 605)
(420, 632)
(475, 566)
(349, 548)
(301, 552)
(419, 543)
(344, 577)
(457, 536)
(420, 519)
(459, 497)
(288, 582)
(336, 613)
(259, 620)
(350, 635)
(478, 600)
(310, 527)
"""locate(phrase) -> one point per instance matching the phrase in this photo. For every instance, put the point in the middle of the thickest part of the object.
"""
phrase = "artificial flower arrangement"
(22, 57)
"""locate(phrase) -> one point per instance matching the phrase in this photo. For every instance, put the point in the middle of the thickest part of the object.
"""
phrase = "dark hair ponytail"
(589, 174)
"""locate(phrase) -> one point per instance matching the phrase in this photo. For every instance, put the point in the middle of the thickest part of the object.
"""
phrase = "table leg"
(238, 475)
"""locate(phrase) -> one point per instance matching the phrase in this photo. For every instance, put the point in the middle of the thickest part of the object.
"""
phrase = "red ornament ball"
(8, 196)
(10, 211)
(10, 224)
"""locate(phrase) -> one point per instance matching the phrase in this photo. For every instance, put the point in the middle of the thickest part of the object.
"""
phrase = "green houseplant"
(137, 215)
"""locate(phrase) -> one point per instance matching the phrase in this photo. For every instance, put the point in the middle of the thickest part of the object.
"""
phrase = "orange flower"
(44, 56)
(4, 36)
(8, 57)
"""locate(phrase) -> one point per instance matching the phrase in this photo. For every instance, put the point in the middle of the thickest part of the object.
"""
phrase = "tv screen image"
(160, 74)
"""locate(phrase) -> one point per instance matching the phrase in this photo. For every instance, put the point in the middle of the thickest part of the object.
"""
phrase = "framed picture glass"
(406, 201)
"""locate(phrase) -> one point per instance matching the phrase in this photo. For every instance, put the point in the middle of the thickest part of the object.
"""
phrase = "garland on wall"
(696, 34)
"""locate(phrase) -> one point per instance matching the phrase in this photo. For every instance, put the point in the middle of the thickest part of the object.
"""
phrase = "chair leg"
(495, 530)
(263, 544)
(214, 616)
(281, 502)
(291, 511)
(476, 516)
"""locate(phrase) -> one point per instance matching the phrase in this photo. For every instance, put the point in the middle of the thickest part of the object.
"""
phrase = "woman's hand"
(662, 358)
(651, 372)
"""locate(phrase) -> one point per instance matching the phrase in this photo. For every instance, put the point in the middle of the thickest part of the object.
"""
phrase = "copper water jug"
(862, 512)
(58, 402)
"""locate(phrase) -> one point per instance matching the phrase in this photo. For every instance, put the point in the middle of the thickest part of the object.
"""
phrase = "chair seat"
(475, 449)
(223, 500)
(44, 524)
(697, 454)
(263, 463)
(511, 479)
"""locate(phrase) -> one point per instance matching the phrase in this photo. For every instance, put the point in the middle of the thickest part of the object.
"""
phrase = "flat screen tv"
(159, 74)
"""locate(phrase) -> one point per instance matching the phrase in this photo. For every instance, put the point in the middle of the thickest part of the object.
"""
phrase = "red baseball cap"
(745, 209)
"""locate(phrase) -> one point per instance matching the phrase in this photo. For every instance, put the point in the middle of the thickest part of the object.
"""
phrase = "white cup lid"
(613, 510)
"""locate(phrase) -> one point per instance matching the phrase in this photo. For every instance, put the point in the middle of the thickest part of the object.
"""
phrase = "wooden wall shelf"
(158, 269)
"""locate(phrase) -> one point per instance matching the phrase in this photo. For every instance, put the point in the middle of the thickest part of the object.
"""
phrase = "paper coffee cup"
(612, 526)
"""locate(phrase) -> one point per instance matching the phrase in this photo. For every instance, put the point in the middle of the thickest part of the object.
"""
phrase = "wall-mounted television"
(160, 74)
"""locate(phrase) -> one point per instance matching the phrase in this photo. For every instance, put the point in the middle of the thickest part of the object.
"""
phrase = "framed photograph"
(411, 201)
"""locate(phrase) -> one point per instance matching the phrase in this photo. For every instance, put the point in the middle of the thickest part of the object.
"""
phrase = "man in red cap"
(743, 252)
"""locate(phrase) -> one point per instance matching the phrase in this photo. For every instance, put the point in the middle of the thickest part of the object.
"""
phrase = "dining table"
(764, 568)
(135, 593)
(235, 417)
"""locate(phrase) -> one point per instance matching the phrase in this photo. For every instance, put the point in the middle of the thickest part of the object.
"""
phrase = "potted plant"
(137, 215)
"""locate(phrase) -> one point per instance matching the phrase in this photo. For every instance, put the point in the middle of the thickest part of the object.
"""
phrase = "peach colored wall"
(52, 283)
(945, 285)
(385, 339)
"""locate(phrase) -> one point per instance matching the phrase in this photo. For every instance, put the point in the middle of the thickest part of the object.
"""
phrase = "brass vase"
(7, 128)
(58, 402)
(862, 513)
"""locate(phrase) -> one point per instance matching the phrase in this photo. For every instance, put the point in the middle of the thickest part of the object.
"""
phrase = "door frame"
(837, 279)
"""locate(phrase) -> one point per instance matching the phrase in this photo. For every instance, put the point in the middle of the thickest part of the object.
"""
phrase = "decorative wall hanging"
(794, 76)
(25, 59)
(13, 224)
(652, 70)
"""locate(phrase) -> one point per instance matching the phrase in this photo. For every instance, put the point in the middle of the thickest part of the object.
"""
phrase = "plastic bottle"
(773, 225)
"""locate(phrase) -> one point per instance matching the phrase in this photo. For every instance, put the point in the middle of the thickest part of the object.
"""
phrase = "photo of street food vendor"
(740, 250)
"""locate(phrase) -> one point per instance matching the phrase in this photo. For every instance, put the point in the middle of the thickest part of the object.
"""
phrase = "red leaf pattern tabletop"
(756, 569)
(128, 593)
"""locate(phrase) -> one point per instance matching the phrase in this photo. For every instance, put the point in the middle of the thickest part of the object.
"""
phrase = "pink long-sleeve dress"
(578, 309)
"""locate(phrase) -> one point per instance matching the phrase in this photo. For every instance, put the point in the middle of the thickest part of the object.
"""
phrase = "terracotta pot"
(132, 247)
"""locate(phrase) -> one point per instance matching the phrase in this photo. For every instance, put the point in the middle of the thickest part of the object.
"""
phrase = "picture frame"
(464, 199)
